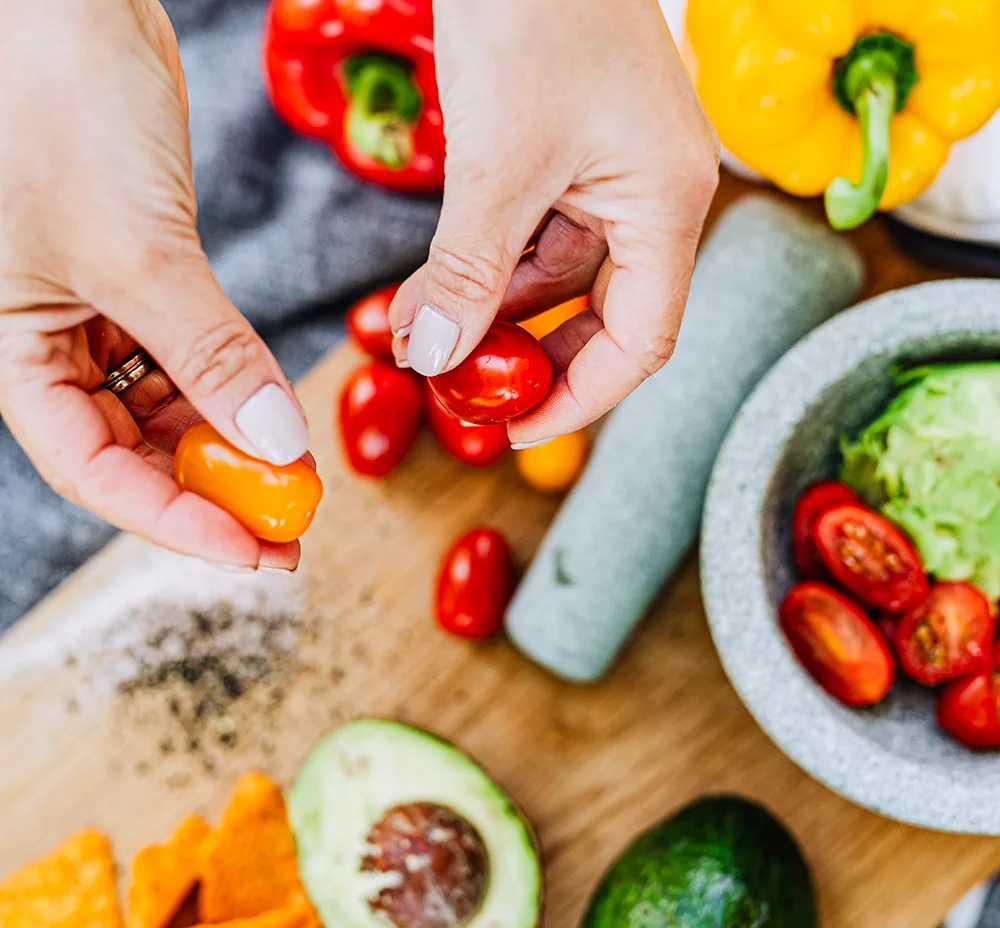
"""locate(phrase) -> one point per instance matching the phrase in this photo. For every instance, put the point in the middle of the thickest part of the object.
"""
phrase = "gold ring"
(129, 372)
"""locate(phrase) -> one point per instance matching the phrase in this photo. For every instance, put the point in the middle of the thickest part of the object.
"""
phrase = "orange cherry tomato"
(274, 503)
(547, 322)
(554, 466)
(368, 322)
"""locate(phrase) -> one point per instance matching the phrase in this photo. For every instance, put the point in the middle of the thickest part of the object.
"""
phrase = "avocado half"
(721, 862)
(396, 827)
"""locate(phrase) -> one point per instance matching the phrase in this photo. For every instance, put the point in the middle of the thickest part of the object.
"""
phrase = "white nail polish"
(287, 571)
(402, 331)
(273, 425)
(522, 445)
(402, 362)
(432, 340)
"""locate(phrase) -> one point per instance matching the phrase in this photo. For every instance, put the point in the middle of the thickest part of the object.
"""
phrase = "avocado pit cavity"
(436, 864)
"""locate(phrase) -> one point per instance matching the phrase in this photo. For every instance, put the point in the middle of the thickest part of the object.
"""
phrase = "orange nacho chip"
(300, 916)
(163, 876)
(72, 887)
(248, 864)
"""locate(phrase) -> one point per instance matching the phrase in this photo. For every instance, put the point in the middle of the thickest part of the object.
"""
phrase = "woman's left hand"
(570, 123)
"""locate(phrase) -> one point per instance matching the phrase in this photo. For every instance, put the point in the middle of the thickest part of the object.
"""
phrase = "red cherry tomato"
(969, 708)
(837, 643)
(368, 322)
(816, 499)
(479, 445)
(887, 626)
(947, 635)
(474, 584)
(507, 374)
(872, 558)
(274, 503)
(379, 417)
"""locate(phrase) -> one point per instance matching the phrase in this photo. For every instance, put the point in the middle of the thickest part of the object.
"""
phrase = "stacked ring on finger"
(136, 366)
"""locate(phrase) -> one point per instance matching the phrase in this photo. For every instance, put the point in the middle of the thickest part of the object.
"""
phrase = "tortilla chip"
(248, 864)
(293, 917)
(72, 887)
(163, 876)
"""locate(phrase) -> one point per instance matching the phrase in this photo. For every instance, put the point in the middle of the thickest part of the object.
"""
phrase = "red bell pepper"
(359, 75)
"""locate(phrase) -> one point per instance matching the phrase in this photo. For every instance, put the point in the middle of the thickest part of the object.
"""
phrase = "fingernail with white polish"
(522, 445)
(432, 340)
(273, 425)
(402, 362)
(402, 331)
(287, 571)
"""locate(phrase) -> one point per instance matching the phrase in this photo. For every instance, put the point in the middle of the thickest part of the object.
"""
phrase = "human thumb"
(479, 239)
(217, 360)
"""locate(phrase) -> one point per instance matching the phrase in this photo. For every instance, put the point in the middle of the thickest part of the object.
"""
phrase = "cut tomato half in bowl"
(947, 635)
(969, 708)
(837, 643)
(816, 499)
(870, 557)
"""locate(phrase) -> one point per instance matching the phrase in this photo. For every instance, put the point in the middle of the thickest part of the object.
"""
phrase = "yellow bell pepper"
(857, 99)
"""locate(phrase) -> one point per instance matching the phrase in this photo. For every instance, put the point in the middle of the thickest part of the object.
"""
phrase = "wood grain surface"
(591, 766)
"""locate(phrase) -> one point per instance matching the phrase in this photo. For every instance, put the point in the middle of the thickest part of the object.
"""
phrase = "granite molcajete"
(892, 758)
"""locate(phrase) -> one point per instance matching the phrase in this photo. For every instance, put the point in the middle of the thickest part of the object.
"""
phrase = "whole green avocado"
(721, 862)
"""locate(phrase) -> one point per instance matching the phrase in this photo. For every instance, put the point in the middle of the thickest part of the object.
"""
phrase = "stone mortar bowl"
(890, 758)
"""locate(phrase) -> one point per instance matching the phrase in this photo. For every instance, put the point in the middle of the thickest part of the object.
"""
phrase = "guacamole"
(931, 463)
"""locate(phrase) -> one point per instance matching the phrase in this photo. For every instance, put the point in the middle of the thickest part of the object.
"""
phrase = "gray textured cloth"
(291, 236)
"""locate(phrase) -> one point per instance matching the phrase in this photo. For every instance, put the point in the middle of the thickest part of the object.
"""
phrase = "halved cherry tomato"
(379, 417)
(554, 466)
(969, 708)
(274, 503)
(368, 322)
(816, 499)
(837, 643)
(507, 374)
(947, 635)
(475, 584)
(550, 320)
(479, 445)
(872, 558)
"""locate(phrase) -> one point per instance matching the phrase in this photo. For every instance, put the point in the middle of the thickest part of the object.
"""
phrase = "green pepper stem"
(871, 82)
(384, 105)
(847, 204)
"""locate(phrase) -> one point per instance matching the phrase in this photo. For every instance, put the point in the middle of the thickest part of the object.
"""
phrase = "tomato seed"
(866, 554)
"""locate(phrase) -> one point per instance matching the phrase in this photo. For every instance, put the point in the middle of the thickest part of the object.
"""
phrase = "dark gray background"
(292, 237)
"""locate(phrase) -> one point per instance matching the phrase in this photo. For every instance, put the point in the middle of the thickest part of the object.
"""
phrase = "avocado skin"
(721, 862)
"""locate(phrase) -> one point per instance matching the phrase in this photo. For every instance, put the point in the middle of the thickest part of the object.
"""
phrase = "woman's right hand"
(98, 252)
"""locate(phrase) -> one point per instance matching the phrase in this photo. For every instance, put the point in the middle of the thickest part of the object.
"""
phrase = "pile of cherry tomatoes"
(467, 408)
(865, 603)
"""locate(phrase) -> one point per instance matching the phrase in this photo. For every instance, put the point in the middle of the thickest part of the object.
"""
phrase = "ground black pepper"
(211, 677)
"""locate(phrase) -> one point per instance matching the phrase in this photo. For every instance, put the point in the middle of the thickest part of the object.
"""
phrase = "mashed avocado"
(931, 463)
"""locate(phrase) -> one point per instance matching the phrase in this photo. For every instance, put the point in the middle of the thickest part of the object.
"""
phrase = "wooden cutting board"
(97, 730)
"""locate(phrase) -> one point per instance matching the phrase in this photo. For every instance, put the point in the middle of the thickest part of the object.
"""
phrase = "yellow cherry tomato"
(554, 466)
(273, 503)
(544, 323)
